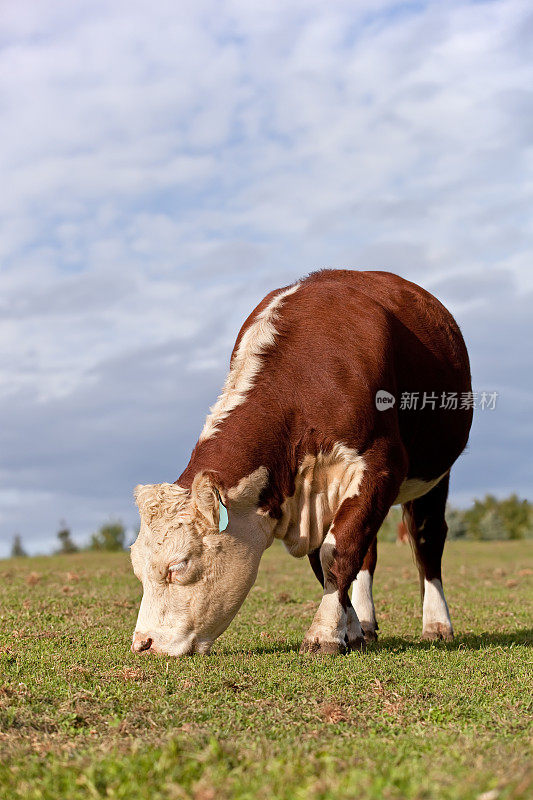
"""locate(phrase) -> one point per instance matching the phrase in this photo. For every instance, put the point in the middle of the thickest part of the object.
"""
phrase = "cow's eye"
(175, 570)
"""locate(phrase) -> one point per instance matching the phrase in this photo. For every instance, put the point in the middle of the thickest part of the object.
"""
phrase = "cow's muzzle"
(154, 643)
(141, 641)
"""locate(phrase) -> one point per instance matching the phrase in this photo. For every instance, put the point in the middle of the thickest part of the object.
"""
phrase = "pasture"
(82, 717)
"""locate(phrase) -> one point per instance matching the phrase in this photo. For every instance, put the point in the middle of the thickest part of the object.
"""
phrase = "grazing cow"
(402, 534)
(311, 441)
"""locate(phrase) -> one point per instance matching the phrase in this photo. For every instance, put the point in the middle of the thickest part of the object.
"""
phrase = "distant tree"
(65, 540)
(492, 526)
(490, 518)
(517, 516)
(457, 528)
(473, 516)
(17, 550)
(111, 536)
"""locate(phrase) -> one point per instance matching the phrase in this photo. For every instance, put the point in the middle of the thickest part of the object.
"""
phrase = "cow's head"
(195, 578)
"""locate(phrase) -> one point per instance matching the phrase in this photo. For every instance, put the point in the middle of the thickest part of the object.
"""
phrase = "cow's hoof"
(369, 632)
(437, 631)
(357, 644)
(318, 648)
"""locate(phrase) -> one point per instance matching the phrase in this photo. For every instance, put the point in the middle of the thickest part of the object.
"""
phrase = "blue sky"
(164, 165)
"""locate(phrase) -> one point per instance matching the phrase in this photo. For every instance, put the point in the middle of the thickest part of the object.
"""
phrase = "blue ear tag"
(223, 516)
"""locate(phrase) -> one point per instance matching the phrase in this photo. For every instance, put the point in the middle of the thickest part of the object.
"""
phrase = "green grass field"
(81, 717)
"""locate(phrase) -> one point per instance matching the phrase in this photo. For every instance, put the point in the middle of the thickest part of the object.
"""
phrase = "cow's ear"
(205, 495)
(146, 498)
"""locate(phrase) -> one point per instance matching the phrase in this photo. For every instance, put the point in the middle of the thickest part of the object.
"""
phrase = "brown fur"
(342, 336)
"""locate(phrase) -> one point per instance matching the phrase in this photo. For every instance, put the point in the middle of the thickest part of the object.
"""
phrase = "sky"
(164, 165)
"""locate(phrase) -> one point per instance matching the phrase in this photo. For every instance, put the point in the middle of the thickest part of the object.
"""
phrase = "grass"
(81, 717)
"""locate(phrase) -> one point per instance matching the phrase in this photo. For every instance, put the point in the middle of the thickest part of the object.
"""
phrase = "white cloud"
(163, 167)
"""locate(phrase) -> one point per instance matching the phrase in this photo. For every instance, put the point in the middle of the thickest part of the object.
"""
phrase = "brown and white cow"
(298, 447)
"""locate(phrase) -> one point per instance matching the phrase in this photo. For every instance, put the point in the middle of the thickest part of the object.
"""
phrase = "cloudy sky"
(163, 165)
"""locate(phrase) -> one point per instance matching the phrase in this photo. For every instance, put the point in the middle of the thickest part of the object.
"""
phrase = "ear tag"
(223, 516)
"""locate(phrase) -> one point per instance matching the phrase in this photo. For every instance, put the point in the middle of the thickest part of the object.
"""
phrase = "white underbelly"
(414, 487)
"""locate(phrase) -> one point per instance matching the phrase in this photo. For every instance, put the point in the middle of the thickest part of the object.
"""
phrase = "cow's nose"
(141, 641)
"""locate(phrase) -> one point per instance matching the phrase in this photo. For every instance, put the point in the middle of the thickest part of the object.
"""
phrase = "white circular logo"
(384, 400)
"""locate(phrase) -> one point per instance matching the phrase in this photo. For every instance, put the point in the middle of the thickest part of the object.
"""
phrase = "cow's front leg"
(362, 599)
(329, 631)
(352, 532)
(353, 629)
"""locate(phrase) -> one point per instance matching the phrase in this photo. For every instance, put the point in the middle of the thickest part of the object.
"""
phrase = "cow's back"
(342, 336)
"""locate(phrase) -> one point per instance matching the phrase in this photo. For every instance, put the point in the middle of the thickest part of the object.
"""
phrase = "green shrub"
(65, 541)
(17, 550)
(111, 536)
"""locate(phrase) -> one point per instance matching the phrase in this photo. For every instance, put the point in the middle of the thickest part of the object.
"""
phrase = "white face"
(194, 578)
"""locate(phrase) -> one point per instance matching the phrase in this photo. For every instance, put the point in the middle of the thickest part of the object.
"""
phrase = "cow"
(402, 534)
(347, 393)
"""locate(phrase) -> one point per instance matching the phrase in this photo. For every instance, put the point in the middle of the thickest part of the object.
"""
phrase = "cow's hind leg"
(362, 599)
(426, 523)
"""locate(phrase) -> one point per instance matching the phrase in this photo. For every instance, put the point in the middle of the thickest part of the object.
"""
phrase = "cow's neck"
(244, 445)
(296, 484)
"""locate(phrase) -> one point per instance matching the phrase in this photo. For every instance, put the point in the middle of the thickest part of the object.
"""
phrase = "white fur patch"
(354, 629)
(362, 599)
(414, 487)
(246, 364)
(330, 622)
(435, 608)
(323, 482)
(164, 501)
(246, 493)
